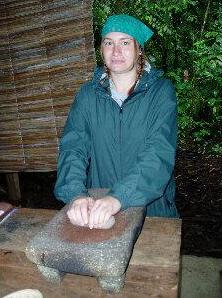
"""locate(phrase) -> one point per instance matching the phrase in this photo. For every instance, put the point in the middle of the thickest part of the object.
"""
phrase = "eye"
(125, 43)
(107, 43)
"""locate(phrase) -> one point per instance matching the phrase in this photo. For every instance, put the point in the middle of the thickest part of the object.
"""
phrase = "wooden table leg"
(14, 193)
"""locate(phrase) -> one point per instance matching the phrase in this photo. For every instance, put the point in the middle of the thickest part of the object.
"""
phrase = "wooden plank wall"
(46, 53)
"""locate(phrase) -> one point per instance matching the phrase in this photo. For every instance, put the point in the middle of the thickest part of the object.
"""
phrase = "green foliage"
(187, 45)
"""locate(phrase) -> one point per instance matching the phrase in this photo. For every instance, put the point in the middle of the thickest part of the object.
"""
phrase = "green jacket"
(130, 150)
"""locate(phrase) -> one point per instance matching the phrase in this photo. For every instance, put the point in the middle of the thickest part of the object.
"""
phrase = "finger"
(78, 215)
(90, 204)
(71, 215)
(103, 216)
(93, 213)
(73, 222)
(97, 212)
(84, 213)
(109, 223)
(106, 225)
(91, 219)
(107, 217)
(98, 215)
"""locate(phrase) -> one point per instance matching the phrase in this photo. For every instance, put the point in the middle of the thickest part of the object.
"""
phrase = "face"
(120, 53)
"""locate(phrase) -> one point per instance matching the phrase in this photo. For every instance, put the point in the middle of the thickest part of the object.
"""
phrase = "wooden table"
(153, 270)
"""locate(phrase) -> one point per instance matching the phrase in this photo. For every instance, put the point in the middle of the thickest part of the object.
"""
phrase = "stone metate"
(104, 253)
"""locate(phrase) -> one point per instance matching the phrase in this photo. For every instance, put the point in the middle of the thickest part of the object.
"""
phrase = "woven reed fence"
(46, 53)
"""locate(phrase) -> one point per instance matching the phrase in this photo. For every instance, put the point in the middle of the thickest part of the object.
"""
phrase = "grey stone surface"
(107, 259)
(51, 274)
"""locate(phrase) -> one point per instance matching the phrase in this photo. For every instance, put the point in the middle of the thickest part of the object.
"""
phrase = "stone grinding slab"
(61, 247)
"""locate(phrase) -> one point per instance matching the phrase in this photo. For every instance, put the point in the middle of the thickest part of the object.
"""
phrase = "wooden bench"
(153, 270)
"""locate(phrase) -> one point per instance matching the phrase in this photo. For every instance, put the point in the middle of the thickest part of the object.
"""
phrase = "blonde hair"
(140, 65)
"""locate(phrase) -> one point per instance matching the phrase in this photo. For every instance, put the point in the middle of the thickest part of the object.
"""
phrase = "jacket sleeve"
(73, 154)
(153, 169)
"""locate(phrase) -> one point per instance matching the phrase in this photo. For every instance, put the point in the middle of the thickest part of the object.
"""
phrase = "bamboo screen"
(46, 53)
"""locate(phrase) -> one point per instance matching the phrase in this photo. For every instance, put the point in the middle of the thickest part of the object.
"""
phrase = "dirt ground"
(198, 199)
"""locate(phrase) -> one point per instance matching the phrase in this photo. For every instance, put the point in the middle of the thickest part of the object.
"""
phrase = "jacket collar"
(150, 75)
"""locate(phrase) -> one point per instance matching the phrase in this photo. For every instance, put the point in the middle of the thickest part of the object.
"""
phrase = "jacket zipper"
(120, 141)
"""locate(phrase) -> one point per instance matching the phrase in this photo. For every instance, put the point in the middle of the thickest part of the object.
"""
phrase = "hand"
(102, 211)
(79, 210)
(4, 207)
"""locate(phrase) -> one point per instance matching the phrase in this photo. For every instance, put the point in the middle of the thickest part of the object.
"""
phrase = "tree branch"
(205, 18)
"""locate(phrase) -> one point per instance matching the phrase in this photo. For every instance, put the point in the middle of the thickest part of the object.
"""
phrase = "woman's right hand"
(79, 210)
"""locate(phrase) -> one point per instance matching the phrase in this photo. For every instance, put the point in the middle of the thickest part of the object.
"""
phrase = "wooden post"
(14, 193)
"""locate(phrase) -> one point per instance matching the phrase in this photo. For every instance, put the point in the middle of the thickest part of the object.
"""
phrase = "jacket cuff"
(67, 196)
(124, 202)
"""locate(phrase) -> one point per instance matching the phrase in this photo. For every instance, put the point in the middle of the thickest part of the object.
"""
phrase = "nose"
(116, 49)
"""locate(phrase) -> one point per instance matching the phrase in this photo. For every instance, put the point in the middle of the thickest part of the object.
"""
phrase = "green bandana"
(129, 25)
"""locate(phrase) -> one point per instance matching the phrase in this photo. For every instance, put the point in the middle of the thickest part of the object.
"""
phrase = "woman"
(120, 133)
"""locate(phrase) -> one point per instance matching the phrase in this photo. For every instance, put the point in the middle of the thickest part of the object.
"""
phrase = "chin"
(119, 68)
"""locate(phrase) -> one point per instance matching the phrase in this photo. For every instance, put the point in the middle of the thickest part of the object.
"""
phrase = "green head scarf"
(129, 25)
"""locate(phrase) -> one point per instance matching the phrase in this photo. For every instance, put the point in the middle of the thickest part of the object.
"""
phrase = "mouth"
(117, 61)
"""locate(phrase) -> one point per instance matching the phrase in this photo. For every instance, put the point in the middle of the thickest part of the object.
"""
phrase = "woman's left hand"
(102, 210)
